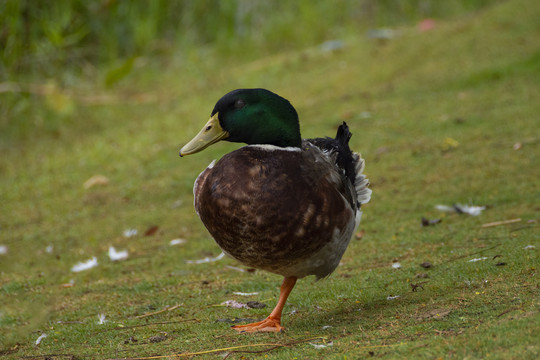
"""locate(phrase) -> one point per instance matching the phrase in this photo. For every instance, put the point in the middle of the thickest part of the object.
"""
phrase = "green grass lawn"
(450, 115)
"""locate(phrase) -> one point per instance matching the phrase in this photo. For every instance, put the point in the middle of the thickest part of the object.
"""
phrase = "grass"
(445, 116)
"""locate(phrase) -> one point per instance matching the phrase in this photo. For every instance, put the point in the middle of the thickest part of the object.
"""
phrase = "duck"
(280, 203)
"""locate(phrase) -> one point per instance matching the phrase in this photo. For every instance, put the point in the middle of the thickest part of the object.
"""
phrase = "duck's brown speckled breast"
(269, 207)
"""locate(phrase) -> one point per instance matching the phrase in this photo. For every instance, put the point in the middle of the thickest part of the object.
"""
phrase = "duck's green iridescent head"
(251, 116)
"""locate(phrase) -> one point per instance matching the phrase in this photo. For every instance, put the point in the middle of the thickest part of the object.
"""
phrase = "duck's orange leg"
(272, 322)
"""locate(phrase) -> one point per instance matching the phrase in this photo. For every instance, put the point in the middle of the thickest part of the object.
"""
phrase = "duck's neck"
(276, 129)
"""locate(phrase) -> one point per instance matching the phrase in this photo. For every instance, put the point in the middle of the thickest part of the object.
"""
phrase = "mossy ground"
(445, 116)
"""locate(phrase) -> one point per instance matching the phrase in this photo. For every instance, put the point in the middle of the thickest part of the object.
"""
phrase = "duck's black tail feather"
(339, 146)
(345, 159)
(350, 163)
(343, 134)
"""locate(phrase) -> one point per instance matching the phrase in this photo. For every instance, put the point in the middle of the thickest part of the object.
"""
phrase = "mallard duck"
(281, 204)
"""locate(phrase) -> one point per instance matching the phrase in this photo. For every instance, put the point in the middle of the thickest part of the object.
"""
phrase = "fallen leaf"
(157, 338)
(255, 305)
(449, 144)
(426, 265)
(478, 259)
(95, 180)
(151, 230)
(360, 234)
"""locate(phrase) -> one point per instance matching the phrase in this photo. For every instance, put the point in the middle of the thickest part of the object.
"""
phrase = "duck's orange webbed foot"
(272, 322)
(267, 325)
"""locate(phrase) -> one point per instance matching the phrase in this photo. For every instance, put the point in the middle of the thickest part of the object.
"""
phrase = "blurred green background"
(45, 37)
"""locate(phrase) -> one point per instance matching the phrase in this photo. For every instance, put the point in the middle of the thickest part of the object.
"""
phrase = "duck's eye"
(238, 104)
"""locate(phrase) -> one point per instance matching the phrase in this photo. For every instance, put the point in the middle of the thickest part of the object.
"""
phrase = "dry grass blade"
(167, 308)
(470, 254)
(145, 325)
(503, 222)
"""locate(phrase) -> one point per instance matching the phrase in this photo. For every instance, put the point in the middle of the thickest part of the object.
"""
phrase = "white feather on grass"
(101, 319)
(85, 265)
(462, 209)
(322, 346)
(177, 242)
(130, 232)
(41, 337)
(117, 255)
(206, 259)
(245, 294)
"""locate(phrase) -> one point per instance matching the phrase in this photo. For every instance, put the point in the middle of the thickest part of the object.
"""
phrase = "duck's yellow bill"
(210, 134)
